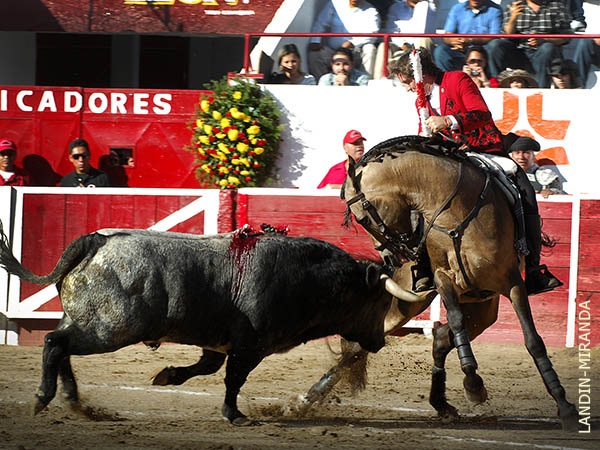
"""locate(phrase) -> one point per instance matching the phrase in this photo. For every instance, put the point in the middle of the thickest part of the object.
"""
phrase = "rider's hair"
(404, 67)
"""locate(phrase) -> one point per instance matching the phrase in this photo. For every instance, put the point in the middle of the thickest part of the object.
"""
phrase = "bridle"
(404, 243)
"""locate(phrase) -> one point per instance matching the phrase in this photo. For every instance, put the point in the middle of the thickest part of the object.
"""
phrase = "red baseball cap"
(7, 144)
(352, 136)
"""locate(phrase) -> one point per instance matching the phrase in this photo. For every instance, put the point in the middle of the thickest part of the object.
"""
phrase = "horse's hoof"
(478, 397)
(448, 414)
(570, 421)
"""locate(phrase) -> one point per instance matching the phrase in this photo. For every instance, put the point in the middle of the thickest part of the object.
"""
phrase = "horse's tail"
(77, 251)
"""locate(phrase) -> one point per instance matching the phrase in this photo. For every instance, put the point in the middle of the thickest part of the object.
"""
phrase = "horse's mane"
(435, 145)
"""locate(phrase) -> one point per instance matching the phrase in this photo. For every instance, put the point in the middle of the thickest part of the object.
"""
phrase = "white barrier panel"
(317, 117)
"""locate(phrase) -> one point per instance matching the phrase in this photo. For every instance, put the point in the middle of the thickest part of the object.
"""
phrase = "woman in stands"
(288, 59)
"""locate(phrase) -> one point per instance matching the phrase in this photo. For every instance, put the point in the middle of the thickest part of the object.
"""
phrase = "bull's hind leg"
(478, 317)
(210, 362)
(55, 352)
(67, 378)
(537, 349)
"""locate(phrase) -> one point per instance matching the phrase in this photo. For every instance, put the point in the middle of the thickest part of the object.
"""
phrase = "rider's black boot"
(538, 278)
(421, 273)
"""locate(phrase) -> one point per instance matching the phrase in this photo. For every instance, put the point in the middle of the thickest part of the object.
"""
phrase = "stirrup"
(540, 280)
(421, 282)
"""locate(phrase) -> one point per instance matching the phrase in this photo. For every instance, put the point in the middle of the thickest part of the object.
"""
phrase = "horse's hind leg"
(209, 363)
(537, 349)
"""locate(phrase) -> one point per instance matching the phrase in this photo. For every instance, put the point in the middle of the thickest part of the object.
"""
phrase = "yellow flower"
(244, 172)
(235, 113)
(253, 141)
(241, 147)
(259, 150)
(254, 129)
(245, 162)
(237, 95)
(220, 135)
(223, 148)
(233, 180)
(235, 162)
(205, 167)
(223, 182)
(232, 134)
(201, 151)
(247, 118)
(204, 139)
(223, 170)
(208, 129)
(216, 115)
(199, 123)
(205, 105)
(233, 110)
(225, 123)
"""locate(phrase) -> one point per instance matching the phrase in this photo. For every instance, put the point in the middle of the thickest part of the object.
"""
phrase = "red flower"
(246, 141)
(251, 153)
(241, 135)
(236, 171)
(215, 130)
(256, 165)
(248, 178)
(224, 94)
(212, 138)
(261, 142)
(227, 114)
(255, 122)
(211, 99)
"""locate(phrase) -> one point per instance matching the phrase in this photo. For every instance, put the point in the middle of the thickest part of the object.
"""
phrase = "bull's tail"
(81, 248)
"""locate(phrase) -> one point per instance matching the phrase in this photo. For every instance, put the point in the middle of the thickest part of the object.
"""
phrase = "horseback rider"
(451, 103)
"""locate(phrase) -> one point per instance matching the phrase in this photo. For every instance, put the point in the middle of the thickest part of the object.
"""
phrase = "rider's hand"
(438, 123)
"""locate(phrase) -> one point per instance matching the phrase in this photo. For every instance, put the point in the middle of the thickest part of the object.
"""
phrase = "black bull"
(241, 298)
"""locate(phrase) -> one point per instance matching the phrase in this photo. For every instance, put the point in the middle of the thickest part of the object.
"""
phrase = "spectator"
(11, 175)
(575, 7)
(564, 74)
(84, 174)
(344, 16)
(343, 72)
(531, 17)
(477, 67)
(587, 53)
(354, 147)
(404, 16)
(288, 60)
(470, 17)
(456, 107)
(516, 79)
(543, 179)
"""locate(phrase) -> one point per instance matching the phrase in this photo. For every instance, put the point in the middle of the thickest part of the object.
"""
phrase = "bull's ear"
(373, 274)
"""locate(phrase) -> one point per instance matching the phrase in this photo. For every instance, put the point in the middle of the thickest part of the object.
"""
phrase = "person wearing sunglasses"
(477, 67)
(11, 175)
(84, 174)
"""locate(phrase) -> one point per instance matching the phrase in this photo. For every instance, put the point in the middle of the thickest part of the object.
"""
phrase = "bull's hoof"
(39, 405)
(243, 422)
(570, 421)
(475, 390)
(164, 377)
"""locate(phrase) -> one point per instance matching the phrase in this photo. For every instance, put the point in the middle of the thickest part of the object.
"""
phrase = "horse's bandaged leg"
(463, 347)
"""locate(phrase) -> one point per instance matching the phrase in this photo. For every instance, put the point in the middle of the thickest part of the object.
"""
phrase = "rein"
(400, 243)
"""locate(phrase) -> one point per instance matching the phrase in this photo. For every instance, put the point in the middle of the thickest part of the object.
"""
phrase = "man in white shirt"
(344, 16)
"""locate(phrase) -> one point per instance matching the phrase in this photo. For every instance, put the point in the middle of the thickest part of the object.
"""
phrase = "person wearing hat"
(564, 74)
(84, 174)
(343, 72)
(516, 79)
(543, 179)
(11, 175)
(354, 147)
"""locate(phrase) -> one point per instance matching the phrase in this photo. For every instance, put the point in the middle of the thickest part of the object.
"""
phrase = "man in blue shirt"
(470, 17)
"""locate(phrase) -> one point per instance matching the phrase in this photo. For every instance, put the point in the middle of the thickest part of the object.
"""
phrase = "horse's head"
(378, 207)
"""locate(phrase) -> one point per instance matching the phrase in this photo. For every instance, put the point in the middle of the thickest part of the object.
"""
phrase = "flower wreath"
(235, 135)
(415, 60)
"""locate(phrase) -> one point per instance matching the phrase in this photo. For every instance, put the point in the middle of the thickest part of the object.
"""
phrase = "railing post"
(247, 53)
(386, 46)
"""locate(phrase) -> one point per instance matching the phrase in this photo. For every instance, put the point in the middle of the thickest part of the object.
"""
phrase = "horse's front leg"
(472, 382)
(537, 349)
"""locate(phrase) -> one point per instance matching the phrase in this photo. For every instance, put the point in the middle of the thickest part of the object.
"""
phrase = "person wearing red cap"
(10, 175)
(354, 147)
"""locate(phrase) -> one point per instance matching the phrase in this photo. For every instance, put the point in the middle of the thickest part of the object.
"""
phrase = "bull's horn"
(394, 288)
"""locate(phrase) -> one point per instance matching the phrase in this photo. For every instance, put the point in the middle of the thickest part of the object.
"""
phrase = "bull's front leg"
(239, 365)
